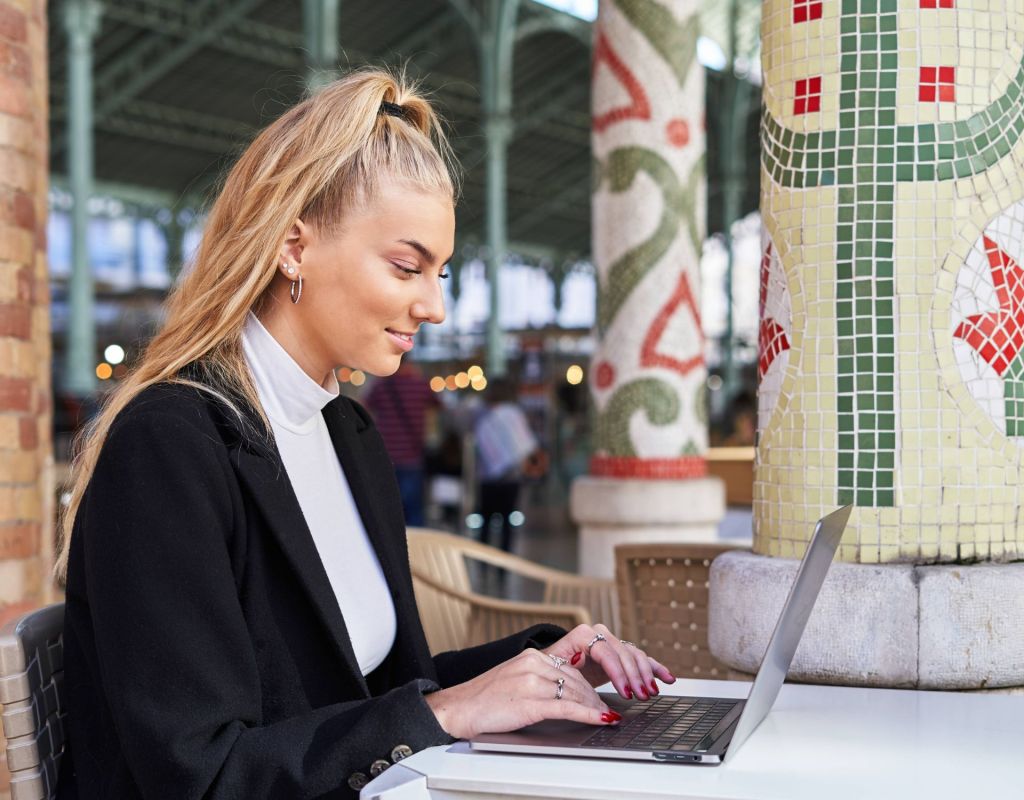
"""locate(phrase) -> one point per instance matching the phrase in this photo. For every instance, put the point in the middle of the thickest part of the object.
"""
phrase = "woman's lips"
(402, 340)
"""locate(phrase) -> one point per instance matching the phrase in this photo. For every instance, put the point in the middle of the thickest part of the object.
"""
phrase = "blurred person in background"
(507, 452)
(400, 405)
(742, 420)
(240, 618)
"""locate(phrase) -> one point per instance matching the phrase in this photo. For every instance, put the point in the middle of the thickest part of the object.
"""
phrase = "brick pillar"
(26, 460)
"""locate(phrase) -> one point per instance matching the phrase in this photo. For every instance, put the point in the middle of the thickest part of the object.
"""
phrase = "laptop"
(691, 730)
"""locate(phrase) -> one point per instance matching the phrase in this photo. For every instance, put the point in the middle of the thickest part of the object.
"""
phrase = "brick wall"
(26, 461)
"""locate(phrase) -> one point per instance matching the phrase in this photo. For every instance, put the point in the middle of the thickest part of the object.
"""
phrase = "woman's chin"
(382, 368)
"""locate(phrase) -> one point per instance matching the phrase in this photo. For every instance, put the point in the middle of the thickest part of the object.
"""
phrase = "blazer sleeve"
(459, 666)
(174, 657)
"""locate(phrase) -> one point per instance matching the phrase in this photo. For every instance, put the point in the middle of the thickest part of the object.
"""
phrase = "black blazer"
(205, 653)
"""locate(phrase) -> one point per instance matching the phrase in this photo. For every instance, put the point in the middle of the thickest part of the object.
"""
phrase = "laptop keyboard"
(668, 723)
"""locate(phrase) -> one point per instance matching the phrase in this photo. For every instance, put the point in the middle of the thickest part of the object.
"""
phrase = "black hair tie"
(393, 110)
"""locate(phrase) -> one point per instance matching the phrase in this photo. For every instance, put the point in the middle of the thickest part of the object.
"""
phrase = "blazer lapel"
(264, 475)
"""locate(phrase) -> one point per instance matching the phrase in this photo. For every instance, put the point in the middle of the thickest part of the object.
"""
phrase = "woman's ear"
(295, 242)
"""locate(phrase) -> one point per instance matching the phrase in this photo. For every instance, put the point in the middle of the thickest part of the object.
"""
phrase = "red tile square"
(807, 95)
(937, 83)
(806, 10)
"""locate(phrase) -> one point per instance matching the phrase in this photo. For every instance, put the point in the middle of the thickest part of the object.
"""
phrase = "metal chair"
(663, 604)
(454, 616)
(31, 691)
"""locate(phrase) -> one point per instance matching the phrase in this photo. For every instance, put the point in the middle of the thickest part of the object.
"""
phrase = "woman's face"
(367, 289)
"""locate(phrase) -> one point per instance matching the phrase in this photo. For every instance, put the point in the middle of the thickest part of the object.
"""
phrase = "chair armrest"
(530, 569)
(492, 618)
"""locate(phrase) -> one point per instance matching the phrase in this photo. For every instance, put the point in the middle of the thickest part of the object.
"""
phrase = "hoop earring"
(296, 294)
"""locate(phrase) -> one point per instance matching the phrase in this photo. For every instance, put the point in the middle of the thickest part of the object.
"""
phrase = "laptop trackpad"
(557, 732)
(550, 732)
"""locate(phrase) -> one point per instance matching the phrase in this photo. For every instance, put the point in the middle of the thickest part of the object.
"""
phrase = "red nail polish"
(643, 693)
(654, 687)
(575, 659)
(628, 691)
(610, 716)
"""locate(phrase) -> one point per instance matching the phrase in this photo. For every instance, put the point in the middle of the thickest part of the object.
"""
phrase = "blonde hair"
(323, 157)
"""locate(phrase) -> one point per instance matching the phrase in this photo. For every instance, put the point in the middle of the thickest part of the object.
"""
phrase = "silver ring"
(595, 640)
(623, 641)
(558, 661)
(561, 686)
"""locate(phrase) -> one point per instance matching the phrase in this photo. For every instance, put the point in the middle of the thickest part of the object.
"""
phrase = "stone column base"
(614, 511)
(895, 625)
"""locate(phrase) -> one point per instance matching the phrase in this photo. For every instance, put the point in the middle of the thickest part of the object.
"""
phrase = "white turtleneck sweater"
(293, 402)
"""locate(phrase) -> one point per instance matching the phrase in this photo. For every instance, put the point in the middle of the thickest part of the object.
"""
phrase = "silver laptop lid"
(790, 627)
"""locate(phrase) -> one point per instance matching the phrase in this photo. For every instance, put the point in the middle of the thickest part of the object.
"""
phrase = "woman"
(240, 616)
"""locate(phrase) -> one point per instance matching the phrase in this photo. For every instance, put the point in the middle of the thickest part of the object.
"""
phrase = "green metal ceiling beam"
(550, 20)
(572, 195)
(141, 197)
(155, 56)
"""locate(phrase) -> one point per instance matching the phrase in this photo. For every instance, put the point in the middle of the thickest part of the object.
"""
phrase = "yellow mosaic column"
(892, 366)
(891, 358)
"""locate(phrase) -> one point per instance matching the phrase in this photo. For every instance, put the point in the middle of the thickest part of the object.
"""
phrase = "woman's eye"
(407, 270)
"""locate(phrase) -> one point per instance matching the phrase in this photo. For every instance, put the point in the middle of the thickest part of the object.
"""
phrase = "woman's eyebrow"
(420, 248)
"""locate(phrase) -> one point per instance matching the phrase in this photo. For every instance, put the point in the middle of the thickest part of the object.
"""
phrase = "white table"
(818, 743)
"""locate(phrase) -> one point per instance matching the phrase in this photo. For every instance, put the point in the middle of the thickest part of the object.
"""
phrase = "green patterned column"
(890, 285)
(892, 339)
(648, 374)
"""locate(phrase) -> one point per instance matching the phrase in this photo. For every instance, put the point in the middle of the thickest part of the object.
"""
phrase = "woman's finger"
(608, 653)
(643, 666)
(559, 709)
(661, 671)
(582, 691)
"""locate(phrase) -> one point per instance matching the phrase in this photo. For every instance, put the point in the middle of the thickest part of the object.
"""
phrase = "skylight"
(584, 9)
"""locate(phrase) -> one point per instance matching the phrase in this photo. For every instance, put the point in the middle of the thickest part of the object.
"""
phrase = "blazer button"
(400, 752)
(378, 766)
(357, 780)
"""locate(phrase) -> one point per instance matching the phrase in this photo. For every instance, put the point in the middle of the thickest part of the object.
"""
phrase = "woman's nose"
(430, 306)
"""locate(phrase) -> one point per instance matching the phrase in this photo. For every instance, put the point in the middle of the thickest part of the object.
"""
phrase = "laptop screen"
(790, 627)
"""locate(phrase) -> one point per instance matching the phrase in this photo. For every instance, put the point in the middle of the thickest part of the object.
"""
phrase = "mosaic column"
(892, 337)
(648, 478)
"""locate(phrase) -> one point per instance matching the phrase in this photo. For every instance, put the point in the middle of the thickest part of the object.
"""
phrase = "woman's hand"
(630, 669)
(517, 693)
